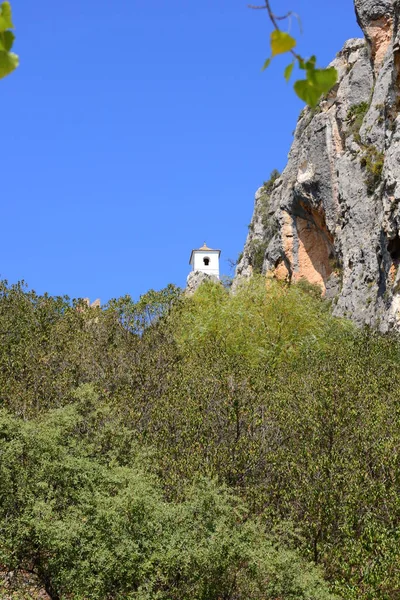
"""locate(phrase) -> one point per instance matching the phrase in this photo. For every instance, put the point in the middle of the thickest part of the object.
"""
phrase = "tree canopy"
(154, 431)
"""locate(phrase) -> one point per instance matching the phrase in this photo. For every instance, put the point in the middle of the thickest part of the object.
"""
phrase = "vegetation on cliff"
(215, 446)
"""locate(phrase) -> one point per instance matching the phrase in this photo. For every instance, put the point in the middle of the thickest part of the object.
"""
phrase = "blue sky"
(134, 131)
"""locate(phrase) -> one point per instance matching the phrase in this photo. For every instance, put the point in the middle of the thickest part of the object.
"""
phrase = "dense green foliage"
(79, 504)
(129, 433)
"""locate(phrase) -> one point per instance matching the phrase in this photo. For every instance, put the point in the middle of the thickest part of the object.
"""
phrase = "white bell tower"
(205, 260)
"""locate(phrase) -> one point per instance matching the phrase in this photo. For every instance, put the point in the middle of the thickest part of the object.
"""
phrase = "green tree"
(292, 410)
(94, 528)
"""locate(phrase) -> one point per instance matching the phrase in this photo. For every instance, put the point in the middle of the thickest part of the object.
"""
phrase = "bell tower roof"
(204, 248)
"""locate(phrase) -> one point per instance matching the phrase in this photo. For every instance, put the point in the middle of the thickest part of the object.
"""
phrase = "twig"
(274, 18)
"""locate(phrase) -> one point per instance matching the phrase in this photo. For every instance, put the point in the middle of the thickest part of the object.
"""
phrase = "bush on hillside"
(293, 410)
(91, 528)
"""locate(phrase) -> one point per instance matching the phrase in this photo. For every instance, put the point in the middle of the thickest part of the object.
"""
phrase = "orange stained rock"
(380, 34)
(281, 272)
(392, 273)
(313, 254)
(310, 257)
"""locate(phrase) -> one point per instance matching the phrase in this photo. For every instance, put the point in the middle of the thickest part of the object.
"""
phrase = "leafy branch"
(317, 81)
(8, 60)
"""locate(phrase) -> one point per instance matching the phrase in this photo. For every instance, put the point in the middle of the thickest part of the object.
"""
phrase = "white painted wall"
(198, 257)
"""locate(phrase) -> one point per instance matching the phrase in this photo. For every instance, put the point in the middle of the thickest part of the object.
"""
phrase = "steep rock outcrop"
(333, 216)
(195, 279)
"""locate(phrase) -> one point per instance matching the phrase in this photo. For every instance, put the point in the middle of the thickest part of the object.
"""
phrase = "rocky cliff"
(333, 216)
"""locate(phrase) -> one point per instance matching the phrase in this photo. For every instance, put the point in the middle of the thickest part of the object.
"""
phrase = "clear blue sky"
(134, 131)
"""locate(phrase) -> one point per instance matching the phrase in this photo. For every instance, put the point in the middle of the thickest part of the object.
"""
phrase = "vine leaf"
(281, 42)
(318, 82)
(324, 79)
(8, 63)
(5, 16)
(288, 71)
(8, 60)
(307, 92)
(6, 40)
(266, 64)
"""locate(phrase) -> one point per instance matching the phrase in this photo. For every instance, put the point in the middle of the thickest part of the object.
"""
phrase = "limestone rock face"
(196, 278)
(333, 216)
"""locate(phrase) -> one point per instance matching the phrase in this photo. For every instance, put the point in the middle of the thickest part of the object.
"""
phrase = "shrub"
(355, 118)
(95, 530)
(288, 408)
(314, 290)
(257, 251)
(269, 184)
(372, 160)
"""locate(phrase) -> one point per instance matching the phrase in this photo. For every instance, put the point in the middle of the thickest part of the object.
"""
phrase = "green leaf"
(310, 63)
(281, 42)
(288, 71)
(323, 79)
(266, 64)
(302, 64)
(307, 92)
(8, 63)
(318, 82)
(6, 40)
(5, 17)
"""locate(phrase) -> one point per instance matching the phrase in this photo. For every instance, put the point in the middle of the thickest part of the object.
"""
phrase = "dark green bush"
(292, 410)
(355, 118)
(95, 529)
(257, 251)
(372, 160)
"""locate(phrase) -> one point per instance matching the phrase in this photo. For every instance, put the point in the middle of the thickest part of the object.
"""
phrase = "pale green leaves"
(288, 71)
(266, 64)
(281, 42)
(8, 60)
(5, 17)
(317, 82)
(6, 40)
